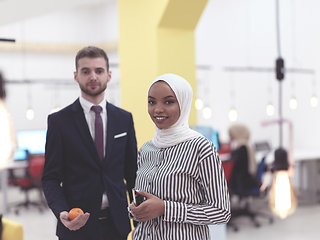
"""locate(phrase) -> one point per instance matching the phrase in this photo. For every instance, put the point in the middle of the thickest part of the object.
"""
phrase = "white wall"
(243, 33)
(230, 33)
(82, 25)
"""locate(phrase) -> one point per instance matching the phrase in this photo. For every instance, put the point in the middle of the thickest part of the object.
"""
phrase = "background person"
(8, 139)
(75, 175)
(245, 168)
(179, 171)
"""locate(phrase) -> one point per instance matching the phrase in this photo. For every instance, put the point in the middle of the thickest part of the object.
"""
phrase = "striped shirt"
(189, 178)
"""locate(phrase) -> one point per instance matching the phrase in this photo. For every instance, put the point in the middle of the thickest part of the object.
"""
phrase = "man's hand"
(76, 223)
(149, 209)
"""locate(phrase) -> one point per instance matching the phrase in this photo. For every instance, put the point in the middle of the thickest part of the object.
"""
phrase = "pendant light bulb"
(199, 104)
(314, 101)
(270, 110)
(30, 114)
(207, 113)
(293, 103)
(283, 200)
(233, 115)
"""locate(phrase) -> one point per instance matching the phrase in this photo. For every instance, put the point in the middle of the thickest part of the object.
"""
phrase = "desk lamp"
(282, 199)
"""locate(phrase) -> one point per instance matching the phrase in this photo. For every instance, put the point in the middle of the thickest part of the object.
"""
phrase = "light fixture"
(30, 114)
(206, 112)
(293, 103)
(314, 101)
(282, 199)
(233, 115)
(270, 109)
(199, 104)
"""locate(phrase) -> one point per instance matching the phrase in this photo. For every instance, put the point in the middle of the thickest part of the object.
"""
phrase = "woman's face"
(163, 106)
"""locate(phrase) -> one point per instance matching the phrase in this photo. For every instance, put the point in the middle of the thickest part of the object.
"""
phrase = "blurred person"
(179, 174)
(78, 174)
(245, 168)
(8, 140)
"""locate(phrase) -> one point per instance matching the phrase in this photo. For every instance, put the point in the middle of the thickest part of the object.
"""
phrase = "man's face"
(92, 76)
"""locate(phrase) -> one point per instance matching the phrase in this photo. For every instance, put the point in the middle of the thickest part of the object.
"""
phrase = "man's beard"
(92, 93)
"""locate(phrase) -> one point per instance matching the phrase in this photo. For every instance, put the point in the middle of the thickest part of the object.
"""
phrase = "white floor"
(304, 224)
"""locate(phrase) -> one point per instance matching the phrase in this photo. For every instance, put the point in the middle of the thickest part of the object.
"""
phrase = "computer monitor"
(20, 154)
(209, 133)
(32, 140)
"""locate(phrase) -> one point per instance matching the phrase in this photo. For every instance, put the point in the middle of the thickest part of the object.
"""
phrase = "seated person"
(244, 170)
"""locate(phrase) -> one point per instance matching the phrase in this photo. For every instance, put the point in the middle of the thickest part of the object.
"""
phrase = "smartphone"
(137, 198)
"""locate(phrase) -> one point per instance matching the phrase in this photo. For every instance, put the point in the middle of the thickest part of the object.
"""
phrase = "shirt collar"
(86, 105)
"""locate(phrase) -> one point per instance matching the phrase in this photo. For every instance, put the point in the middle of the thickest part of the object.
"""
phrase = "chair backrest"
(35, 168)
(254, 190)
(227, 167)
(260, 169)
(262, 147)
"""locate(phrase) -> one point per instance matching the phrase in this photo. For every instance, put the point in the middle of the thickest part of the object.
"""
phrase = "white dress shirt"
(90, 117)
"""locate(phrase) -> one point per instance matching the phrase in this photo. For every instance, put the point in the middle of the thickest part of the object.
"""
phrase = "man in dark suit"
(77, 173)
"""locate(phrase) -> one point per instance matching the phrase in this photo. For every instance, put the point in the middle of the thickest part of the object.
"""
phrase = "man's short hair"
(91, 52)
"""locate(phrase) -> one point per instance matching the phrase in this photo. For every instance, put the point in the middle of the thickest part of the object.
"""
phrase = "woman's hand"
(76, 223)
(151, 208)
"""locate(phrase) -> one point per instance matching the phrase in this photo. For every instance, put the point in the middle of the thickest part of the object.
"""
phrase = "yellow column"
(155, 37)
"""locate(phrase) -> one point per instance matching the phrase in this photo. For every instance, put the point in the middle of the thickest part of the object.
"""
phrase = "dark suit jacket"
(74, 176)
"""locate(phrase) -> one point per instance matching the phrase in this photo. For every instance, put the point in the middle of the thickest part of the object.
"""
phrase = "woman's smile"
(162, 100)
(160, 119)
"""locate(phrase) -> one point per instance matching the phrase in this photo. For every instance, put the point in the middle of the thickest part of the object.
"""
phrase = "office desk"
(225, 156)
(4, 167)
(306, 169)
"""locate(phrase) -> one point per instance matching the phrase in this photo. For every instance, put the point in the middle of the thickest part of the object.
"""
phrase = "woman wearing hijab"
(179, 171)
(244, 170)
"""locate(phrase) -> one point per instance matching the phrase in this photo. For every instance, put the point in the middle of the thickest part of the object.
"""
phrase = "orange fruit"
(75, 212)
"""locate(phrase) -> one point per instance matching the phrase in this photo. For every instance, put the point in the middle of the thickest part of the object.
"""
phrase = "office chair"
(227, 168)
(247, 195)
(30, 180)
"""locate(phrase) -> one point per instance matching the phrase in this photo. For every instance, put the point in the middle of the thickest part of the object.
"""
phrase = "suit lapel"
(81, 123)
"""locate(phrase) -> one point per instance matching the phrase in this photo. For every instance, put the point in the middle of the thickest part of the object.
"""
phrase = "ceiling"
(16, 10)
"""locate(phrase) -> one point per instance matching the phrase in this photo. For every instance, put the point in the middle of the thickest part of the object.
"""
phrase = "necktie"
(98, 130)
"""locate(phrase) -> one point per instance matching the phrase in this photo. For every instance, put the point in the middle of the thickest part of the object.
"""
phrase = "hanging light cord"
(278, 28)
(280, 85)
